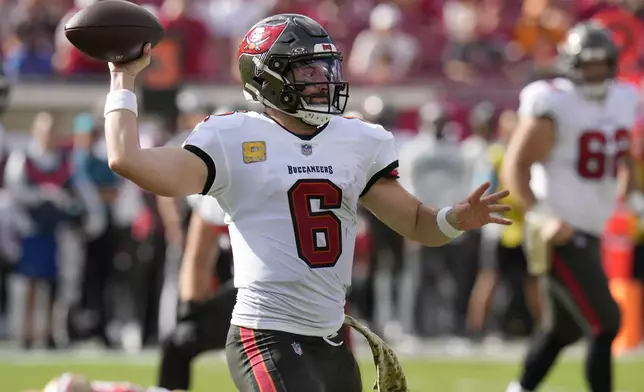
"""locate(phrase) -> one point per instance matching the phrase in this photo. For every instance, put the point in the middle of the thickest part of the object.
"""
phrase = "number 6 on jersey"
(318, 235)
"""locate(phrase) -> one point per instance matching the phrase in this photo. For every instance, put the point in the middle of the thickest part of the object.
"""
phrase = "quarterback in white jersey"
(293, 222)
(578, 129)
(290, 180)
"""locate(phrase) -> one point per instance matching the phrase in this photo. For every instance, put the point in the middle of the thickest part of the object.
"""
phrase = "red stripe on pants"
(570, 282)
(260, 371)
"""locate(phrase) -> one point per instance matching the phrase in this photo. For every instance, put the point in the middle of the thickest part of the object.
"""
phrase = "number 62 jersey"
(592, 139)
(291, 205)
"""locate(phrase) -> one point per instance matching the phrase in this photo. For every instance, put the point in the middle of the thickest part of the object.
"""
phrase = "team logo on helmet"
(260, 39)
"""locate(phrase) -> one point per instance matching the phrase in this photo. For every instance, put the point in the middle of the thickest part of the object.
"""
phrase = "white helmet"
(69, 382)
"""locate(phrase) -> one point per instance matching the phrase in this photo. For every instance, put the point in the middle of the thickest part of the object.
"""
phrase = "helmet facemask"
(589, 59)
(307, 87)
(592, 72)
(320, 89)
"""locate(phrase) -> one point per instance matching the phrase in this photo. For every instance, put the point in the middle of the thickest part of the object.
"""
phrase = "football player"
(501, 253)
(203, 318)
(69, 382)
(290, 179)
(577, 128)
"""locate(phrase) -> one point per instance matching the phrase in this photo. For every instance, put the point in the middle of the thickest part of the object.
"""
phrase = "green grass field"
(436, 375)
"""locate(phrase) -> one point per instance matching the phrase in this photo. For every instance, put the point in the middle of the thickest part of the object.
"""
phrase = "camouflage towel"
(389, 374)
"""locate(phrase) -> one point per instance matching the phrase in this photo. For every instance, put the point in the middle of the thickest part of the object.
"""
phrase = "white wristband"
(121, 100)
(444, 226)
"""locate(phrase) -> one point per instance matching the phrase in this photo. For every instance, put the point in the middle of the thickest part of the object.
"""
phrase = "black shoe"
(51, 343)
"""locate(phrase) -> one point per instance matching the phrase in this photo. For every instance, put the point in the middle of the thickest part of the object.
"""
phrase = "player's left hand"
(478, 210)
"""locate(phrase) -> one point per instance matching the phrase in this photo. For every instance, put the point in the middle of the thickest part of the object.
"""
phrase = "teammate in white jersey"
(577, 128)
(204, 311)
(290, 180)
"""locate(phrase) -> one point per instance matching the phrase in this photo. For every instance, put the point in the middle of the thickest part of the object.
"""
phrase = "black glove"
(189, 310)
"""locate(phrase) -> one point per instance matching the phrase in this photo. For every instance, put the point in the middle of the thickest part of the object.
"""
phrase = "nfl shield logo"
(297, 348)
(307, 149)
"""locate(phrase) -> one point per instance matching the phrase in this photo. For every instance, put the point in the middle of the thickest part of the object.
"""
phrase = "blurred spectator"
(536, 36)
(4, 155)
(550, 25)
(35, 18)
(501, 255)
(189, 34)
(419, 17)
(331, 14)
(9, 247)
(471, 50)
(68, 60)
(90, 162)
(13, 223)
(383, 53)
(228, 21)
(435, 152)
(435, 157)
(39, 180)
(6, 10)
(32, 33)
(482, 122)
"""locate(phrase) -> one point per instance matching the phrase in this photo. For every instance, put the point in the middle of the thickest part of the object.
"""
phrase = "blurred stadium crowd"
(107, 254)
(384, 41)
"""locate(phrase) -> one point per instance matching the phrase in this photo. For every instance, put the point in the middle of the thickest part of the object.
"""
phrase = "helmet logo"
(322, 48)
(260, 39)
(256, 38)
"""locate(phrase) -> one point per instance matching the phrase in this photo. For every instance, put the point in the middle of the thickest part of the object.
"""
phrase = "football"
(113, 30)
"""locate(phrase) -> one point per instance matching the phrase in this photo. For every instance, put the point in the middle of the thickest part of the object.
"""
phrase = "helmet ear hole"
(278, 65)
(288, 99)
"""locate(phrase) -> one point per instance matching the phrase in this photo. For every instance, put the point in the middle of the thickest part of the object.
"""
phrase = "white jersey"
(591, 139)
(208, 209)
(426, 162)
(291, 205)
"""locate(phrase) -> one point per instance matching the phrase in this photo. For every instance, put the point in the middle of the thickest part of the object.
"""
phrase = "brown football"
(113, 30)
